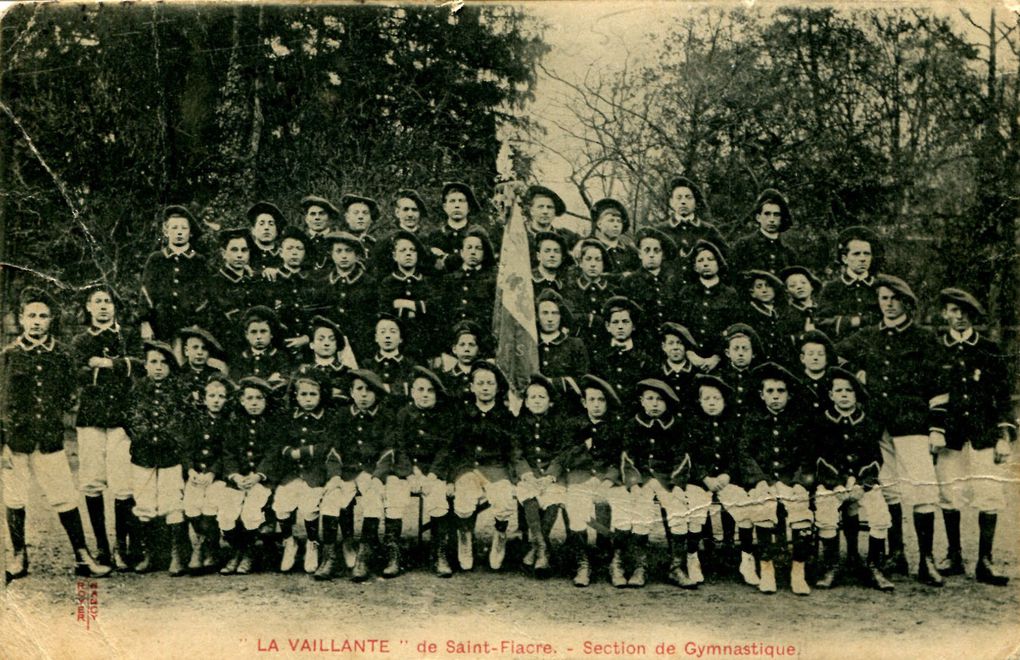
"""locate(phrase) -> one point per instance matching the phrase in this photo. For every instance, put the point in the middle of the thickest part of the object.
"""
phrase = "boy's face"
(650, 251)
(957, 317)
(156, 366)
(196, 351)
(259, 335)
(253, 401)
(619, 325)
(610, 224)
(813, 357)
(307, 394)
(705, 264)
(652, 404)
(858, 257)
(739, 351)
(536, 399)
(775, 394)
(890, 304)
(316, 219)
(358, 217)
(762, 291)
(595, 403)
(215, 396)
(344, 256)
(674, 348)
(549, 316)
(236, 254)
(799, 287)
(100, 308)
(264, 228)
(407, 213)
(466, 348)
(455, 205)
(542, 210)
(769, 218)
(592, 264)
(362, 395)
(293, 252)
(405, 254)
(843, 396)
(423, 393)
(484, 386)
(324, 342)
(711, 400)
(682, 201)
(177, 230)
(472, 252)
(387, 335)
(35, 319)
(550, 255)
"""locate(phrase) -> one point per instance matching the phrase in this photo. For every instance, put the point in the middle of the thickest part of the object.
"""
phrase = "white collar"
(28, 344)
(100, 329)
(625, 345)
(394, 355)
(953, 338)
(184, 251)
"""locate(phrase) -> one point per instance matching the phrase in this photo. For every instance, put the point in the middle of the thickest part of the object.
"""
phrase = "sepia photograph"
(548, 329)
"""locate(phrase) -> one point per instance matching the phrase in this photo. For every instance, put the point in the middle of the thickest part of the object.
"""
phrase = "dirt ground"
(156, 616)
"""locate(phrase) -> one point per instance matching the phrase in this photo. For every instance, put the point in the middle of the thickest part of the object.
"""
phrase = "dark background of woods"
(900, 119)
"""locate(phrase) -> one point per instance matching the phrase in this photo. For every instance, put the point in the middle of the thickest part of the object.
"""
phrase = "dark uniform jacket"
(155, 423)
(458, 380)
(849, 443)
(333, 375)
(974, 375)
(263, 364)
(293, 297)
(775, 328)
(775, 447)
(686, 234)
(569, 237)
(204, 436)
(680, 379)
(900, 366)
(249, 447)
(482, 438)
(622, 367)
(593, 447)
(652, 446)
(309, 432)
(260, 258)
(230, 295)
(538, 442)
(843, 298)
(450, 240)
(346, 301)
(655, 294)
(586, 298)
(174, 290)
(417, 326)
(564, 356)
(803, 318)
(37, 389)
(360, 443)
(756, 251)
(713, 443)
(423, 439)
(317, 249)
(465, 295)
(397, 372)
(540, 282)
(103, 397)
(745, 392)
(192, 382)
(819, 390)
(624, 255)
(706, 312)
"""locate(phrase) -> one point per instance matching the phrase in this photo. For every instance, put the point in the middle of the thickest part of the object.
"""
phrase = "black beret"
(176, 210)
(859, 233)
(465, 327)
(785, 274)
(307, 372)
(663, 388)
(551, 295)
(421, 372)
(963, 299)
(227, 235)
(161, 347)
(773, 196)
(319, 321)
(387, 316)
(677, 330)
(230, 385)
(489, 255)
(749, 277)
(346, 238)
(742, 329)
(105, 288)
(255, 382)
(541, 191)
(259, 208)
(774, 371)
(409, 236)
(711, 380)
(371, 379)
(592, 382)
(667, 243)
(539, 379)
(585, 243)
(412, 195)
(818, 337)
(832, 373)
(461, 187)
(684, 182)
(323, 203)
(620, 303)
(373, 207)
(211, 344)
(293, 232)
(501, 381)
(261, 313)
(702, 245)
(557, 238)
(607, 203)
(897, 286)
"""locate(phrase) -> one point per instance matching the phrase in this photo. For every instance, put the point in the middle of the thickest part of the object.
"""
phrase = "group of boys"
(295, 372)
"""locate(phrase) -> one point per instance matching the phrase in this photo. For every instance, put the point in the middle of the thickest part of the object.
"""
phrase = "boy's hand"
(270, 273)
(296, 342)
(295, 454)
(100, 363)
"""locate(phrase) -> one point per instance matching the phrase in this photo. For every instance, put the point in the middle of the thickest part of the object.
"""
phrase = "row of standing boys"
(279, 374)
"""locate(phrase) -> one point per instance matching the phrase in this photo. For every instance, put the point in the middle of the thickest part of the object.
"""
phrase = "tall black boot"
(124, 523)
(875, 575)
(538, 551)
(803, 540)
(766, 551)
(348, 547)
(927, 572)
(328, 526)
(985, 571)
(830, 562)
(896, 561)
(178, 539)
(97, 517)
(368, 542)
(852, 533)
(953, 563)
(394, 526)
(441, 543)
(85, 564)
(748, 566)
(16, 527)
(621, 542)
(639, 549)
(211, 541)
(677, 574)
(143, 542)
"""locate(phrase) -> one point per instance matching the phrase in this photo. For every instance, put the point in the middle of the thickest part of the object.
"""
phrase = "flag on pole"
(513, 319)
